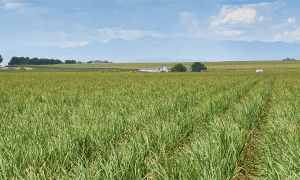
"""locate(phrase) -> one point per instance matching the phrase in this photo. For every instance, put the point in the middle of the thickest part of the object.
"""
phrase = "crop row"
(279, 151)
(160, 138)
(65, 125)
(218, 151)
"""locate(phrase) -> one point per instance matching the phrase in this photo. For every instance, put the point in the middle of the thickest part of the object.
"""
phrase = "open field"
(149, 125)
(16, 69)
(212, 66)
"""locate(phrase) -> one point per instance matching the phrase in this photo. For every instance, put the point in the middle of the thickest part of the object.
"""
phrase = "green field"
(234, 66)
(218, 125)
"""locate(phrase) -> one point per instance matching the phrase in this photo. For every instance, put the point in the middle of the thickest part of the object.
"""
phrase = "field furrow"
(250, 153)
(55, 124)
(217, 153)
(149, 126)
(279, 143)
(161, 138)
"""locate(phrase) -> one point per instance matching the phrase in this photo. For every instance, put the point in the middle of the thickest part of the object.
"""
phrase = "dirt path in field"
(250, 161)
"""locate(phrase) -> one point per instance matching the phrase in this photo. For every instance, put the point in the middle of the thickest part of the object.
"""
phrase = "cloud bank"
(247, 15)
(108, 34)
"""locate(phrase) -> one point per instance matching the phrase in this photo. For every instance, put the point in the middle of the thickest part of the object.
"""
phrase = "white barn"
(161, 69)
(148, 70)
(189, 70)
(259, 70)
(2, 65)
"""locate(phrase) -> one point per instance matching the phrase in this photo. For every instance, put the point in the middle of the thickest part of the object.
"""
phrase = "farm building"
(2, 65)
(189, 70)
(259, 70)
(161, 69)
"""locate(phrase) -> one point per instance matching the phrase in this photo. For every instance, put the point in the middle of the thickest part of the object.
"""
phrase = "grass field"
(237, 66)
(57, 125)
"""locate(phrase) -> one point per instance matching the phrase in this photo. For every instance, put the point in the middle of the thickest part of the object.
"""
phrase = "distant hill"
(149, 49)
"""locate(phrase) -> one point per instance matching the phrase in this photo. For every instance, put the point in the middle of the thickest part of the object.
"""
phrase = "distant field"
(57, 125)
(212, 66)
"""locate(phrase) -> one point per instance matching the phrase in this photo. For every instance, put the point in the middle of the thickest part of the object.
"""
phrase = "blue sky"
(150, 30)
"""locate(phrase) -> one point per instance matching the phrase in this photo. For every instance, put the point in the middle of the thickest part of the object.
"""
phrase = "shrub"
(197, 67)
(178, 68)
(288, 59)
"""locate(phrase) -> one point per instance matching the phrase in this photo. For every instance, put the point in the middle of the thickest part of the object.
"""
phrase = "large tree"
(178, 68)
(15, 61)
(70, 62)
(197, 67)
(1, 59)
(33, 61)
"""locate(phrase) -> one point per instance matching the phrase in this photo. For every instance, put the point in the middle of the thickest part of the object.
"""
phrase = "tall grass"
(217, 151)
(279, 146)
(128, 126)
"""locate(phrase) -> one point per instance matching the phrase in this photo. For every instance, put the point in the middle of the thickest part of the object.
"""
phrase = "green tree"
(288, 59)
(1, 59)
(23, 60)
(15, 61)
(70, 62)
(197, 67)
(178, 68)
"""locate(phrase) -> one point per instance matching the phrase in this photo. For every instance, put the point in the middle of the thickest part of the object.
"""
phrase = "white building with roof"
(161, 69)
(189, 70)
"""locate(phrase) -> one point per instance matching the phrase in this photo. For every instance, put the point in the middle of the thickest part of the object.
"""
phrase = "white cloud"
(188, 19)
(191, 24)
(288, 22)
(288, 36)
(292, 20)
(247, 14)
(194, 29)
(261, 18)
(23, 7)
(12, 5)
(278, 36)
(230, 33)
(83, 43)
(108, 34)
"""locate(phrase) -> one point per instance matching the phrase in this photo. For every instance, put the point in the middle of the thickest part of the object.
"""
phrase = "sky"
(150, 30)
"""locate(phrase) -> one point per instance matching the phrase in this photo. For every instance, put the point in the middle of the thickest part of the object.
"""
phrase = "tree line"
(37, 61)
(43, 61)
(33, 61)
(196, 67)
(288, 59)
